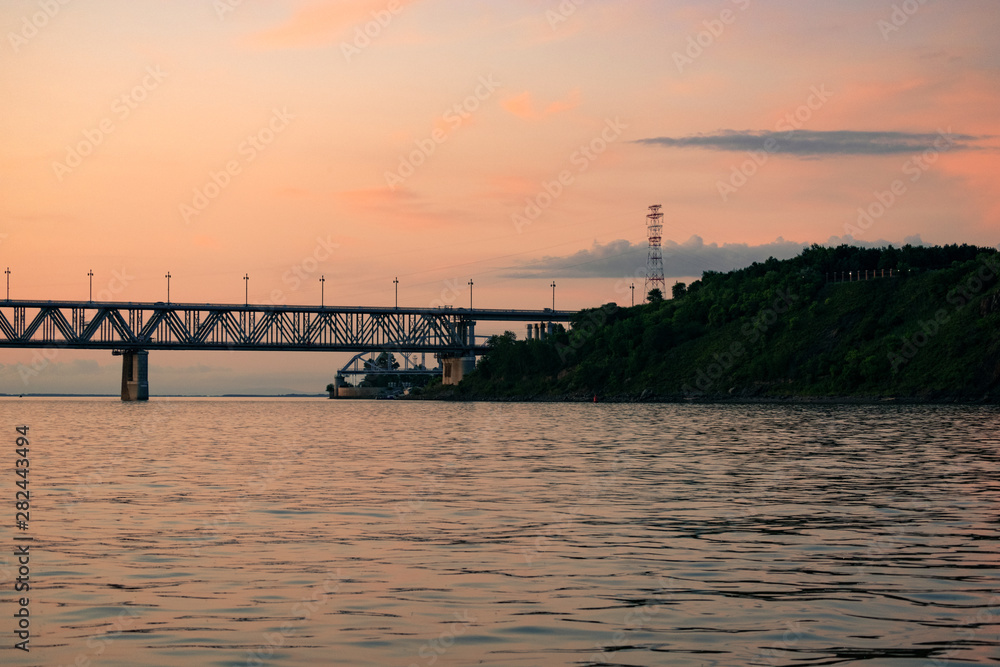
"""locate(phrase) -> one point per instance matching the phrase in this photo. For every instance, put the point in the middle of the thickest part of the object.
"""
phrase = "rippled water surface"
(314, 532)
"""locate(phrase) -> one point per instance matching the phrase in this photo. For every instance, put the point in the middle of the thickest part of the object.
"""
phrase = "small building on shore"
(341, 389)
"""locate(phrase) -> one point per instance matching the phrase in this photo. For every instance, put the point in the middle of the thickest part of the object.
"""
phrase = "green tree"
(678, 290)
(716, 315)
(655, 295)
(385, 361)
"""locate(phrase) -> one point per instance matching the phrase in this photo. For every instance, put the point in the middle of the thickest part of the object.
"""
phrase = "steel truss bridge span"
(193, 326)
(133, 329)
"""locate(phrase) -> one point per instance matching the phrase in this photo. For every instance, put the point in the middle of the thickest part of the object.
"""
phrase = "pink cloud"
(375, 197)
(402, 208)
(320, 23)
(523, 105)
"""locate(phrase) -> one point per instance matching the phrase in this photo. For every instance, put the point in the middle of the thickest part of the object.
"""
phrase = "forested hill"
(792, 328)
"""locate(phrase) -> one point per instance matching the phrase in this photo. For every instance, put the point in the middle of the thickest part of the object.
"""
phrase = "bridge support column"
(135, 375)
(453, 369)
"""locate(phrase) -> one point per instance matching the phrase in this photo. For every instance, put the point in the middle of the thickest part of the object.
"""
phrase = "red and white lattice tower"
(654, 258)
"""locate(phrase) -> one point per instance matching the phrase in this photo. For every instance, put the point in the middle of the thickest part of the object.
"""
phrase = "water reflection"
(233, 532)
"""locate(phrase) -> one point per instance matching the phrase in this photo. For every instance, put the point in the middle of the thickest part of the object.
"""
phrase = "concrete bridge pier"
(453, 369)
(457, 366)
(135, 374)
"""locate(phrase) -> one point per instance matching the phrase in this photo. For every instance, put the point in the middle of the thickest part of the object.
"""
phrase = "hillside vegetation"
(778, 329)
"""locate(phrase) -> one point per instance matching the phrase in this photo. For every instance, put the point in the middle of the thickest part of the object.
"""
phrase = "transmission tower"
(654, 258)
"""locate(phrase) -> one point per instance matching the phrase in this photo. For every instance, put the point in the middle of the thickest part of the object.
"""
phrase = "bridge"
(131, 330)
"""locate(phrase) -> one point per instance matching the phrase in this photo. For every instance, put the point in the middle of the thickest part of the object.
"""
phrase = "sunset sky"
(512, 143)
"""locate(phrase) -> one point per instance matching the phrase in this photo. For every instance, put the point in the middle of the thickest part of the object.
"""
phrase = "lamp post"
(553, 295)
(168, 286)
(91, 274)
(470, 294)
(246, 289)
(322, 295)
(632, 287)
(395, 281)
(8, 282)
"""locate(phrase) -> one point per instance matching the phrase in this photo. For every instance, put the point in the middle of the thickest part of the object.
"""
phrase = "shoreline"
(720, 400)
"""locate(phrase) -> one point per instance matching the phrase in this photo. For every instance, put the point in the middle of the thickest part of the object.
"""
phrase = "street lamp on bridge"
(91, 274)
(322, 296)
(168, 286)
(553, 295)
(470, 293)
(395, 281)
(8, 282)
(246, 290)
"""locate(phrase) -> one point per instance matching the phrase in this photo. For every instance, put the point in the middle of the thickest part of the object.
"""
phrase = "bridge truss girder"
(115, 326)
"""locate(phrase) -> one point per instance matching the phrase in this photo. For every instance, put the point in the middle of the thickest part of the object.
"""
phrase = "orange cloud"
(571, 102)
(523, 105)
(402, 208)
(206, 241)
(320, 23)
(520, 105)
(375, 197)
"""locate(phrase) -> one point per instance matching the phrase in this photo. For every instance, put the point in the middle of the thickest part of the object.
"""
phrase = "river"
(316, 532)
